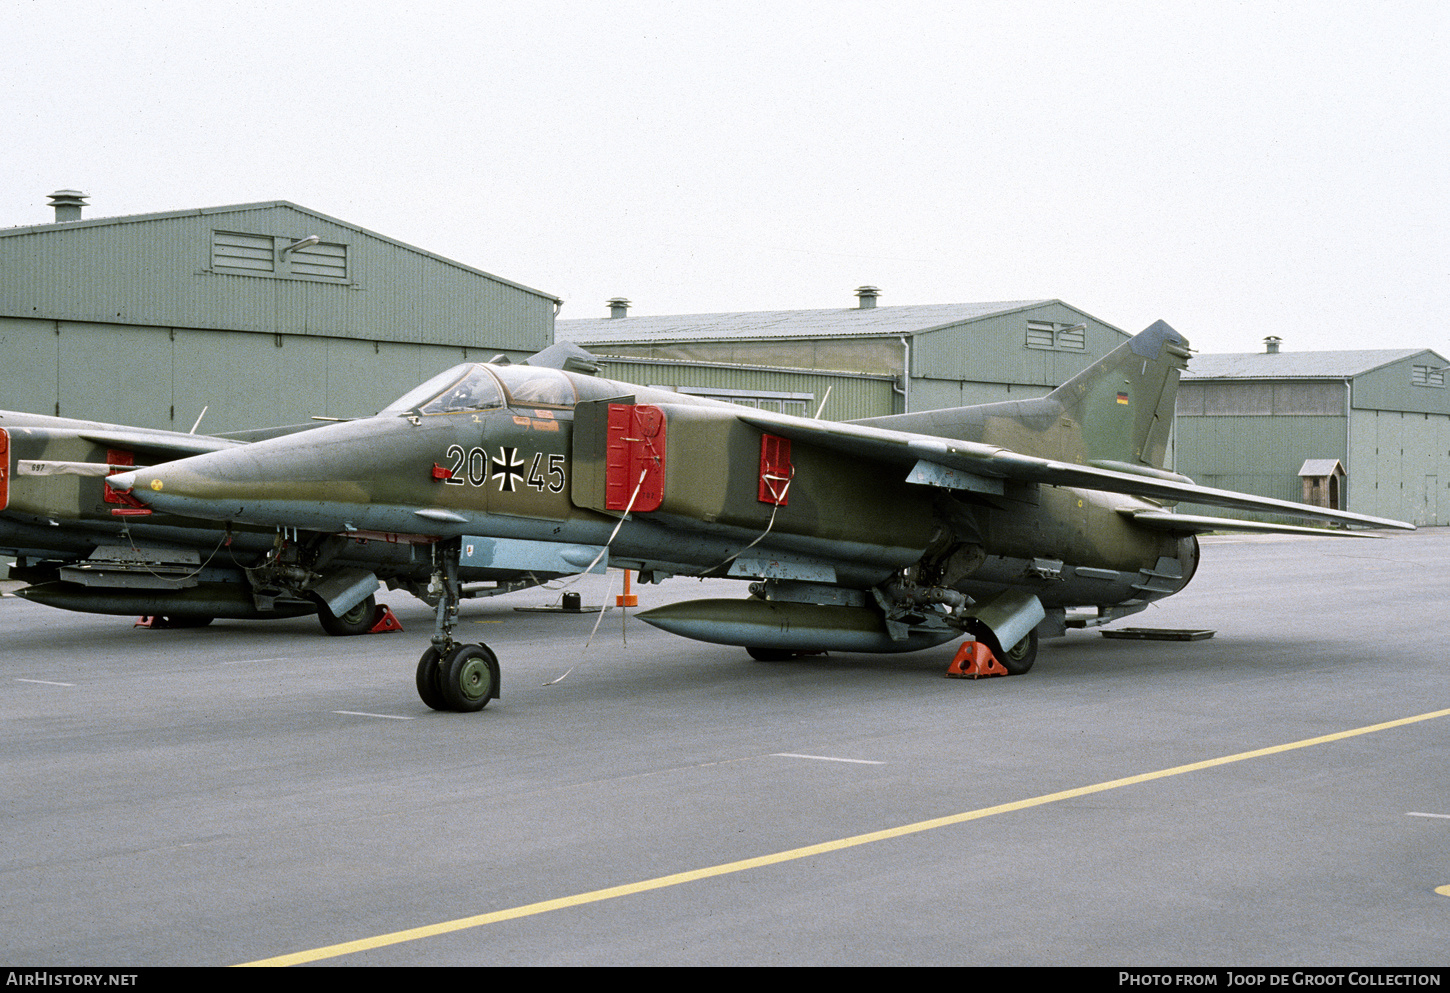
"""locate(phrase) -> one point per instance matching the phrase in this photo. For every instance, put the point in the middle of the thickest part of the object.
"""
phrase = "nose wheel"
(452, 676)
(462, 678)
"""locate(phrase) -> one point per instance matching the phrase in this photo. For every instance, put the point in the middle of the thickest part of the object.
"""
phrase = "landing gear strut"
(452, 676)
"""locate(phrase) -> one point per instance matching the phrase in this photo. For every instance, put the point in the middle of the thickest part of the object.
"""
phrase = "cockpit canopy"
(476, 386)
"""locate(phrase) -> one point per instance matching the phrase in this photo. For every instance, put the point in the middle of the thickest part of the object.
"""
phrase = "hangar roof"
(849, 322)
(236, 208)
(270, 267)
(1297, 365)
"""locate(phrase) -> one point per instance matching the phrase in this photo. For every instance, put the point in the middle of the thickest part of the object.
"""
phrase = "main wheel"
(429, 690)
(770, 654)
(469, 678)
(1019, 658)
(358, 620)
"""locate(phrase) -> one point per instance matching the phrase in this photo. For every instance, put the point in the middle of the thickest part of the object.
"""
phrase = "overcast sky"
(1237, 169)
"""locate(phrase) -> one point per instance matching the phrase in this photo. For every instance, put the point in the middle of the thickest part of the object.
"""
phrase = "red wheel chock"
(384, 621)
(974, 660)
(151, 621)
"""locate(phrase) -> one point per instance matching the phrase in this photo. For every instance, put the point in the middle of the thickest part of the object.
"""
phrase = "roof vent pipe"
(867, 295)
(618, 307)
(1271, 345)
(68, 204)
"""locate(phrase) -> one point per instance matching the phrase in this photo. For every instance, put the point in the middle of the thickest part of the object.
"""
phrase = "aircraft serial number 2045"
(476, 467)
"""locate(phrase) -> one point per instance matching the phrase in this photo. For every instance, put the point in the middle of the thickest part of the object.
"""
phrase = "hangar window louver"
(248, 252)
(321, 259)
(267, 255)
(1424, 375)
(1056, 337)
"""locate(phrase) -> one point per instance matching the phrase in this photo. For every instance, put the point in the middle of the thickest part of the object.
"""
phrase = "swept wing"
(984, 468)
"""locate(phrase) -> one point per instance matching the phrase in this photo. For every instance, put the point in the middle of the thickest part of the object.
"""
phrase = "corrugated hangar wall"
(1250, 421)
(1399, 439)
(1398, 462)
(1402, 465)
(163, 377)
(263, 313)
(957, 354)
(998, 357)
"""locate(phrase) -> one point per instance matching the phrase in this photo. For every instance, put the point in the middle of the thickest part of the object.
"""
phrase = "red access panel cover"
(4, 469)
(634, 457)
(116, 456)
(775, 470)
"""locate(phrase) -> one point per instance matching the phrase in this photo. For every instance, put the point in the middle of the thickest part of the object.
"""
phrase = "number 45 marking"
(555, 481)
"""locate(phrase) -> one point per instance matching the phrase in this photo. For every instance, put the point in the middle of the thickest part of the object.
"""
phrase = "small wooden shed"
(1323, 481)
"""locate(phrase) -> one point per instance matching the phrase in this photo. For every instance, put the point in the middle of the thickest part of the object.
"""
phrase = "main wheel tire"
(358, 620)
(770, 654)
(1019, 658)
(469, 678)
(429, 690)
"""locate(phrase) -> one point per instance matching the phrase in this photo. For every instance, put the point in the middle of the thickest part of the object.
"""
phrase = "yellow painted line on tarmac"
(794, 854)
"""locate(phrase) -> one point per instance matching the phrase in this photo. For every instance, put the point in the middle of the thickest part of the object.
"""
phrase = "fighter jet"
(1000, 523)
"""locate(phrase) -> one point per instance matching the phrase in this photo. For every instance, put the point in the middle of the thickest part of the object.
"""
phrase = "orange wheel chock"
(384, 621)
(974, 660)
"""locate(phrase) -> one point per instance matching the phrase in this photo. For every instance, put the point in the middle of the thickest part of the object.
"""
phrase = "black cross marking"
(501, 468)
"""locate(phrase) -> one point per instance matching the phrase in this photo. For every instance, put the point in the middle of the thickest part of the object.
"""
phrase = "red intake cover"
(634, 457)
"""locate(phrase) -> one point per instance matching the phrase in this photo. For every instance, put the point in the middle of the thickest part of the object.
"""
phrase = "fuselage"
(509, 453)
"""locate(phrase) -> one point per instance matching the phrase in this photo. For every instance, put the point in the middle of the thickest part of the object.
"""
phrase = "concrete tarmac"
(256, 790)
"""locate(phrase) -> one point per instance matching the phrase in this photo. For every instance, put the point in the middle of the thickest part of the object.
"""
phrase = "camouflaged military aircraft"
(1003, 523)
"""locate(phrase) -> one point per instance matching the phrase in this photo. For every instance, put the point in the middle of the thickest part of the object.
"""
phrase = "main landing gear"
(453, 676)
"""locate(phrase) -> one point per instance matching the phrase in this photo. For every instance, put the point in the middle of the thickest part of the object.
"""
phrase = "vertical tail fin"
(1120, 408)
(1118, 412)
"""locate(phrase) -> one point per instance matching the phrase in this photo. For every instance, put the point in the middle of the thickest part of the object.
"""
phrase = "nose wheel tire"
(467, 678)
(429, 690)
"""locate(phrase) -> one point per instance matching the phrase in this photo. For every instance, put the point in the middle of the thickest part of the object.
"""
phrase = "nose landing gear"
(452, 676)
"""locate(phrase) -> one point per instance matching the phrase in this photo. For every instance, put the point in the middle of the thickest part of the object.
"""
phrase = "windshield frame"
(556, 380)
(416, 400)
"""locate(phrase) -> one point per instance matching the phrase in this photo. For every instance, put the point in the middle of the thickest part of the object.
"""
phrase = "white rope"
(779, 496)
(609, 585)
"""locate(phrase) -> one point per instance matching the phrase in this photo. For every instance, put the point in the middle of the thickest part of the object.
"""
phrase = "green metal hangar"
(853, 362)
(1367, 431)
(262, 313)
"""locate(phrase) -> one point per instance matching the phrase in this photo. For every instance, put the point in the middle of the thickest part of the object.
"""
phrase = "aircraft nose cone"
(176, 488)
(323, 479)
